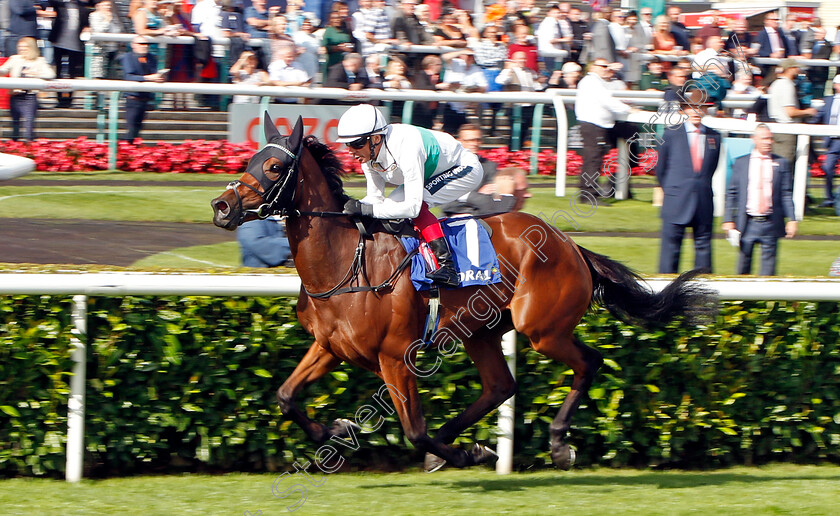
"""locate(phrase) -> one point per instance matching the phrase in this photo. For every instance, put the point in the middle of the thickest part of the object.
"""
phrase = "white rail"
(81, 285)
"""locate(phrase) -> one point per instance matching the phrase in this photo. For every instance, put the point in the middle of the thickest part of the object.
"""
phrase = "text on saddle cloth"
(475, 257)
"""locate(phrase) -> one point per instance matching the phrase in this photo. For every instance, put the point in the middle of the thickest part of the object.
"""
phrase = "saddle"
(369, 226)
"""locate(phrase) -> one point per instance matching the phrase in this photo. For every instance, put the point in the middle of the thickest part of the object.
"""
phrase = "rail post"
(507, 415)
(76, 403)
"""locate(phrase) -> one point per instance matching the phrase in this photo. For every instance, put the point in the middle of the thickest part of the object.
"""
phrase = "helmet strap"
(372, 145)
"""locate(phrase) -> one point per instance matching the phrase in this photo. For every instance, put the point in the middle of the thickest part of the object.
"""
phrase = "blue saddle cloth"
(474, 254)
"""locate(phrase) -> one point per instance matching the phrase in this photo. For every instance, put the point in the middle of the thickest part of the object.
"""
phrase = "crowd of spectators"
(440, 45)
(513, 35)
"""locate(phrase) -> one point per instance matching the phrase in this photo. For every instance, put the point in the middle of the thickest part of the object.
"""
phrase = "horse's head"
(268, 185)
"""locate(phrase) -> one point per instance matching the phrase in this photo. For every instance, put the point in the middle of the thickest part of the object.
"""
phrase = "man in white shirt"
(783, 108)
(646, 15)
(207, 16)
(596, 110)
(463, 76)
(286, 72)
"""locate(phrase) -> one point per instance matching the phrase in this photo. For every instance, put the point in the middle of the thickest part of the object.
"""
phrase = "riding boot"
(446, 274)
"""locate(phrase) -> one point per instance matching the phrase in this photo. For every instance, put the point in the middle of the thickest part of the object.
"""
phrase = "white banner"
(320, 121)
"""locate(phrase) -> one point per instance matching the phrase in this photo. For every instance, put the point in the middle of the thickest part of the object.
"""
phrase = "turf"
(192, 204)
(796, 257)
(776, 489)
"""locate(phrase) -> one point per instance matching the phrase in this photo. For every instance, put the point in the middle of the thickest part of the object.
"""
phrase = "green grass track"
(776, 489)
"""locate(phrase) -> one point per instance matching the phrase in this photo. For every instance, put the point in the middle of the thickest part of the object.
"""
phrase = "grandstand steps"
(175, 126)
(168, 126)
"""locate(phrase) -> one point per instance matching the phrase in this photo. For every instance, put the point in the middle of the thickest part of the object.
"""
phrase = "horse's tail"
(623, 292)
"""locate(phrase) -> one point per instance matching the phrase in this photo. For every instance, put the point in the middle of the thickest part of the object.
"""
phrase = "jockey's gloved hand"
(354, 207)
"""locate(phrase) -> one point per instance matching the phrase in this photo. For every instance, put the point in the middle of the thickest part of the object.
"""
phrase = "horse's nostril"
(222, 206)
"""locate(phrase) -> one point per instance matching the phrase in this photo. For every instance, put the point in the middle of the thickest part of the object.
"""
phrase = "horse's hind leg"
(315, 364)
(585, 362)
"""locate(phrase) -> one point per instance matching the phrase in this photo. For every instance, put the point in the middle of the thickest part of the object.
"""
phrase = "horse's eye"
(276, 168)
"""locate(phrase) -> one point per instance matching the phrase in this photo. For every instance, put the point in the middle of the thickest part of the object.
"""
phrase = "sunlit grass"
(777, 489)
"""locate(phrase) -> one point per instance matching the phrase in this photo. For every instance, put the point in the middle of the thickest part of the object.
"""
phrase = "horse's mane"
(330, 166)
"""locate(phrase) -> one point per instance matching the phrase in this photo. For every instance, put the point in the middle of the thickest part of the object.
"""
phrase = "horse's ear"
(297, 134)
(271, 132)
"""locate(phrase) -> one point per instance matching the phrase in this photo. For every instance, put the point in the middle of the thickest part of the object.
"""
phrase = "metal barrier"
(82, 285)
(804, 133)
(551, 96)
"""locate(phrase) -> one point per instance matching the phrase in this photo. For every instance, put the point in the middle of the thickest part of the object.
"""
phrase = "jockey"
(429, 168)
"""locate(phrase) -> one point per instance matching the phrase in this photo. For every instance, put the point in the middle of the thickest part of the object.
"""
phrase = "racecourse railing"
(803, 132)
(559, 98)
(82, 285)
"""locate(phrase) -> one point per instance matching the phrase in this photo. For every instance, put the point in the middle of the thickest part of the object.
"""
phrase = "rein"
(356, 268)
(277, 196)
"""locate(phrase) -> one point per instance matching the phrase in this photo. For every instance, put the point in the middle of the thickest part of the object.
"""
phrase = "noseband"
(278, 196)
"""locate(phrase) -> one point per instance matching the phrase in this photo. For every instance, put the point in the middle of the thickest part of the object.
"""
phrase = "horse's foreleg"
(496, 381)
(316, 363)
(585, 362)
(402, 385)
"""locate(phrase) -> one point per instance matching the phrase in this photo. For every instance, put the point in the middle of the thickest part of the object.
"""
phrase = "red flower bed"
(81, 154)
(222, 157)
(547, 161)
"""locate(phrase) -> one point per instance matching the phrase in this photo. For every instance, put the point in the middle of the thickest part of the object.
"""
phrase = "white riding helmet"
(360, 121)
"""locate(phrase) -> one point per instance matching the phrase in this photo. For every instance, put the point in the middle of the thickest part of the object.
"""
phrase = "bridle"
(278, 195)
(278, 198)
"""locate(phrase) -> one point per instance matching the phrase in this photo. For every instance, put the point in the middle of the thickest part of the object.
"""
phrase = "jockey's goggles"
(358, 144)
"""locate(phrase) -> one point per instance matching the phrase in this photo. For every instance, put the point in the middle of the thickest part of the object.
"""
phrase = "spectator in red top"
(711, 29)
(523, 42)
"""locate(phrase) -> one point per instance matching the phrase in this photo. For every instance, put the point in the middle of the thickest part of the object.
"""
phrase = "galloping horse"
(548, 284)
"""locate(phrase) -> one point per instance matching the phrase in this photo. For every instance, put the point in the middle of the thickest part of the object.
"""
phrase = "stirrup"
(445, 276)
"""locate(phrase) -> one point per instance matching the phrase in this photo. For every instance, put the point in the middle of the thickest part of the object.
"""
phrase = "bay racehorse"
(548, 285)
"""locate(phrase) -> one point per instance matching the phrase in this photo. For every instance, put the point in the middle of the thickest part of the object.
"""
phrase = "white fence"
(81, 285)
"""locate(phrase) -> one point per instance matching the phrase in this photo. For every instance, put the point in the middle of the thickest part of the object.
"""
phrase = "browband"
(284, 149)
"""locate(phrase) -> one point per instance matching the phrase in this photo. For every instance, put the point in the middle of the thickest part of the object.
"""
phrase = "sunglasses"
(141, 42)
(358, 144)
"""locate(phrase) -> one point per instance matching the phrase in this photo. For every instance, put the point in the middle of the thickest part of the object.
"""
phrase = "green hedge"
(189, 383)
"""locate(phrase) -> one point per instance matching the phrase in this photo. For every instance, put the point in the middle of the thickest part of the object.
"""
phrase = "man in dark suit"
(428, 78)
(771, 39)
(23, 22)
(678, 30)
(820, 49)
(71, 18)
(579, 29)
(829, 114)
(758, 199)
(349, 74)
(138, 65)
(688, 157)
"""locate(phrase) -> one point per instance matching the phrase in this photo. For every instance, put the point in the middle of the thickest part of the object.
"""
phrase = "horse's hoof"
(433, 463)
(341, 428)
(482, 454)
(563, 457)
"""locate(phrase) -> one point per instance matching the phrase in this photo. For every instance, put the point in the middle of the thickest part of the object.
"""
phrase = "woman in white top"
(245, 71)
(308, 45)
(27, 63)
